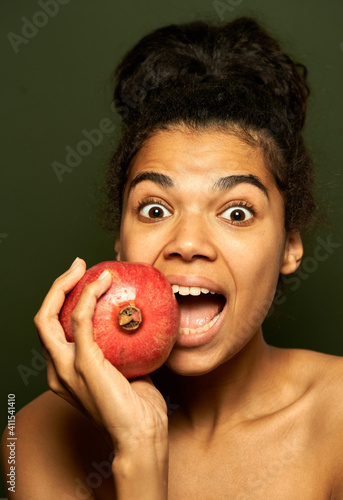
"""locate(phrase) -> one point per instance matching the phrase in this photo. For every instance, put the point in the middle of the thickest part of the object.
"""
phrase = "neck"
(244, 388)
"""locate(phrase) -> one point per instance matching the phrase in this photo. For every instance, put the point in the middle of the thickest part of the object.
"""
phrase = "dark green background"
(59, 83)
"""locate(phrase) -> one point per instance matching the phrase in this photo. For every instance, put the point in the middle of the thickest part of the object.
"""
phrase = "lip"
(199, 339)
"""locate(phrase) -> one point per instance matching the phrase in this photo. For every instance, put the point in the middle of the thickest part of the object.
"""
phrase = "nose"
(191, 239)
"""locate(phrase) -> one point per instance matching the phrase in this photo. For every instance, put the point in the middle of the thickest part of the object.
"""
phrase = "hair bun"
(190, 54)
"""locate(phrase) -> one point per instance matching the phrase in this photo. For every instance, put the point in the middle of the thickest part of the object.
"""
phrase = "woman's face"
(203, 209)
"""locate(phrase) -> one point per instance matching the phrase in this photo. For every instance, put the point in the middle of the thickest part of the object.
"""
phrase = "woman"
(211, 183)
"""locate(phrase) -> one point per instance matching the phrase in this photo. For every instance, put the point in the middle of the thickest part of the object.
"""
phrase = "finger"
(54, 382)
(82, 316)
(54, 299)
(56, 349)
(55, 345)
(45, 351)
(46, 320)
(59, 387)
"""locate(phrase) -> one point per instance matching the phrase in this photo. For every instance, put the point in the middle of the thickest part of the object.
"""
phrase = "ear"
(292, 254)
(117, 247)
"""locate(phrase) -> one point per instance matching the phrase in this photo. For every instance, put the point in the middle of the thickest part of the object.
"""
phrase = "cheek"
(255, 267)
(255, 271)
(137, 246)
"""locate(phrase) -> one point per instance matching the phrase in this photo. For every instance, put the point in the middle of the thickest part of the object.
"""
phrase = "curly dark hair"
(232, 77)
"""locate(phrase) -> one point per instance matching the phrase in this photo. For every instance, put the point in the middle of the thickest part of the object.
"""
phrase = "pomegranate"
(135, 322)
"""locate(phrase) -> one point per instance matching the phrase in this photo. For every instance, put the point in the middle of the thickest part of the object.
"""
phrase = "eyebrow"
(161, 179)
(230, 181)
(221, 184)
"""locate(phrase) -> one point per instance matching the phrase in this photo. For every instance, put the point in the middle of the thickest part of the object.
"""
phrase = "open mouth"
(200, 308)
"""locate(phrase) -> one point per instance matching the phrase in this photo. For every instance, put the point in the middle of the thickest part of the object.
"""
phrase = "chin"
(187, 364)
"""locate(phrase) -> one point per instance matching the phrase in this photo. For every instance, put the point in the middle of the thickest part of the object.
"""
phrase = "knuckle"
(79, 316)
(60, 282)
(54, 384)
(38, 320)
(42, 323)
(83, 310)
(57, 282)
(55, 388)
(89, 289)
(79, 367)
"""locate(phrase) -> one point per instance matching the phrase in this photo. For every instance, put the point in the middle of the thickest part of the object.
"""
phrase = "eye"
(238, 213)
(154, 211)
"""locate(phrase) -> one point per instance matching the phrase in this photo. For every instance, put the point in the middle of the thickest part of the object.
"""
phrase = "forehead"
(203, 155)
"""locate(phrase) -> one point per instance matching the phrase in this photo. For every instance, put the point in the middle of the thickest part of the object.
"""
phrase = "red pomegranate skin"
(133, 352)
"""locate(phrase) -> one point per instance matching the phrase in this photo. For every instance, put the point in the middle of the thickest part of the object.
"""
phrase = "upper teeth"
(190, 290)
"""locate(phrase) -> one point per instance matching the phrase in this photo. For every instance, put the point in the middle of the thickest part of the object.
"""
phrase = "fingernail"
(103, 275)
(74, 264)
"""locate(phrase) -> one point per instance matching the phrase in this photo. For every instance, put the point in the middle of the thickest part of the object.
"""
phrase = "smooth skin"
(252, 421)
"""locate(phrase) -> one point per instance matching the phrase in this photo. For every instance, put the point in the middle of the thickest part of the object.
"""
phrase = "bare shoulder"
(323, 376)
(324, 372)
(55, 448)
(323, 415)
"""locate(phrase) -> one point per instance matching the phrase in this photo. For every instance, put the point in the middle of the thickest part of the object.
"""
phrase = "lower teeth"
(189, 331)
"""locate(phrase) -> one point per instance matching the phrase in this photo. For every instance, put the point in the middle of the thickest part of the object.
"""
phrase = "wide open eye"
(238, 213)
(154, 211)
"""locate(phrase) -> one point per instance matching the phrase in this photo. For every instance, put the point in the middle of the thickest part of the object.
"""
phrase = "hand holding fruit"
(79, 372)
(135, 322)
